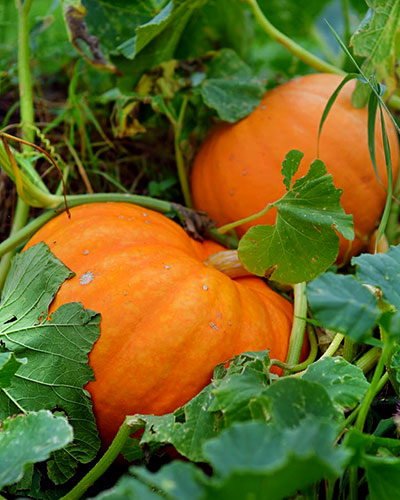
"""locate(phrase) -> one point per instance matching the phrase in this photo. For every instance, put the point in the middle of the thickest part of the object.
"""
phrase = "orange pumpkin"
(166, 318)
(237, 171)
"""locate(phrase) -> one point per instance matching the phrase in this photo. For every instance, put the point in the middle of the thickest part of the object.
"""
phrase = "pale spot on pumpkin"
(219, 315)
(147, 222)
(121, 217)
(144, 214)
(125, 293)
(213, 325)
(167, 267)
(205, 287)
(263, 106)
(232, 192)
(230, 323)
(86, 278)
(244, 172)
(85, 252)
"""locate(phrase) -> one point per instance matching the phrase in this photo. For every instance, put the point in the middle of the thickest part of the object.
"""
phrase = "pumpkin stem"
(228, 263)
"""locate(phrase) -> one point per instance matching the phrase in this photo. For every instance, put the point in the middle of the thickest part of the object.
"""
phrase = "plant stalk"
(27, 118)
(103, 464)
(299, 325)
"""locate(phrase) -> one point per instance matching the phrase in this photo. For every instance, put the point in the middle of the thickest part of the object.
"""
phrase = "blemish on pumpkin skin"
(205, 287)
(219, 315)
(232, 192)
(213, 325)
(147, 222)
(86, 278)
(121, 217)
(85, 252)
(244, 172)
(167, 267)
(144, 214)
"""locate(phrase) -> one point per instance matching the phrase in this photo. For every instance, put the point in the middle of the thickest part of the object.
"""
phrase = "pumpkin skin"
(237, 170)
(166, 318)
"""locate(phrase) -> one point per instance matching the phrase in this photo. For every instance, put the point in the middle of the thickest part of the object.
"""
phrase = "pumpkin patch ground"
(199, 251)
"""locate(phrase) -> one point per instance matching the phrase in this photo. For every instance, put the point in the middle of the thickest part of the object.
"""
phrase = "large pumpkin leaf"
(378, 40)
(28, 439)
(348, 304)
(56, 348)
(303, 243)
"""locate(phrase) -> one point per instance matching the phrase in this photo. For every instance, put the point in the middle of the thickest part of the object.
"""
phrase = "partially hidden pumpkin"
(237, 170)
(166, 318)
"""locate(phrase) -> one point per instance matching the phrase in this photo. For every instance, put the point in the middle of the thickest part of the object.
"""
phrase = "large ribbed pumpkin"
(237, 171)
(166, 318)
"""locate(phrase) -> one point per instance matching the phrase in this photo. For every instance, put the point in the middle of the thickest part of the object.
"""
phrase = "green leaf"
(238, 395)
(177, 480)
(252, 458)
(378, 40)
(129, 487)
(186, 429)
(343, 304)
(230, 88)
(344, 382)
(9, 365)
(56, 348)
(382, 271)
(28, 439)
(303, 242)
(383, 477)
(290, 165)
(292, 400)
(382, 472)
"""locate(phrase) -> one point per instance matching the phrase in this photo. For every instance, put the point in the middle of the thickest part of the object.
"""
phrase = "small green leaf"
(292, 400)
(341, 303)
(303, 242)
(382, 271)
(377, 40)
(290, 165)
(177, 480)
(344, 382)
(9, 365)
(186, 429)
(230, 88)
(28, 439)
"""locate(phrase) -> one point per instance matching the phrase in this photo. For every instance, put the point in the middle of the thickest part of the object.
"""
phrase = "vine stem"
(228, 227)
(103, 464)
(334, 346)
(294, 48)
(298, 51)
(299, 325)
(310, 359)
(180, 162)
(27, 117)
(366, 403)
